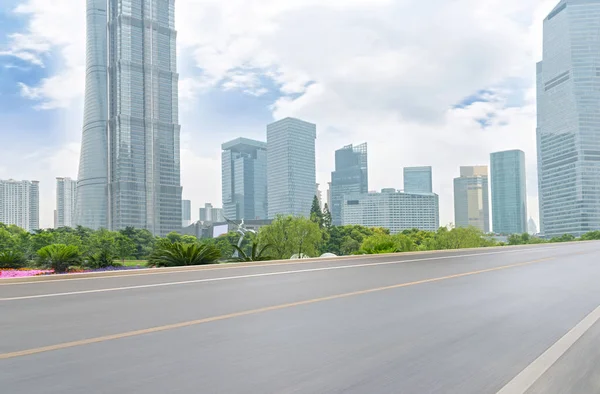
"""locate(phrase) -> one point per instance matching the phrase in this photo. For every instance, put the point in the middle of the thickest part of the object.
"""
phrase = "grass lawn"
(133, 263)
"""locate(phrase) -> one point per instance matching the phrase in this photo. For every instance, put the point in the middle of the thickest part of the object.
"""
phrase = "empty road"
(500, 320)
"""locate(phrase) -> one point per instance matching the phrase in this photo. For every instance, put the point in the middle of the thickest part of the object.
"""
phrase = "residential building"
(129, 170)
(396, 211)
(568, 120)
(418, 180)
(244, 179)
(211, 214)
(509, 192)
(291, 172)
(471, 198)
(66, 197)
(186, 213)
(20, 203)
(351, 176)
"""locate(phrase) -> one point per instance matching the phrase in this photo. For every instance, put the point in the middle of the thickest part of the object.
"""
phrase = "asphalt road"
(512, 319)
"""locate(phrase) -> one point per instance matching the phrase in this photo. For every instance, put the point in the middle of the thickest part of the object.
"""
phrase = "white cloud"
(383, 71)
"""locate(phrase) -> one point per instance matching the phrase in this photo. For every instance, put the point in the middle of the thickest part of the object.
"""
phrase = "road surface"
(501, 320)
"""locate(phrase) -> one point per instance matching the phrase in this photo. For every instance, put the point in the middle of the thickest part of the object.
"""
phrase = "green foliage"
(101, 259)
(167, 254)
(290, 235)
(124, 247)
(256, 253)
(346, 240)
(326, 217)
(563, 238)
(379, 243)
(316, 215)
(58, 257)
(592, 235)
(12, 259)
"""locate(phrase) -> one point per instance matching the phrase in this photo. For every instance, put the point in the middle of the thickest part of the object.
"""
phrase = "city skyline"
(202, 139)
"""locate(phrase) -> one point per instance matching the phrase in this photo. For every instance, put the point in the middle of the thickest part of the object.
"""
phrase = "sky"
(440, 83)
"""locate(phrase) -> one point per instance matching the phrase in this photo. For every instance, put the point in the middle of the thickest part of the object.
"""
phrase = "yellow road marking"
(168, 327)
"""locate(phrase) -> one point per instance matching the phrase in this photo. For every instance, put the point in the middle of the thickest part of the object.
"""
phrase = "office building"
(244, 179)
(129, 170)
(509, 192)
(351, 176)
(418, 180)
(471, 198)
(396, 211)
(20, 203)
(211, 214)
(568, 120)
(66, 193)
(186, 213)
(291, 172)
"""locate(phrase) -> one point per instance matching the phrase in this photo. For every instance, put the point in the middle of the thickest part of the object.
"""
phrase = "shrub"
(58, 257)
(182, 254)
(12, 259)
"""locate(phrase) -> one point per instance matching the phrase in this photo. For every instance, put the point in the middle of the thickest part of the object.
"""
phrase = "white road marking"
(157, 271)
(106, 290)
(524, 380)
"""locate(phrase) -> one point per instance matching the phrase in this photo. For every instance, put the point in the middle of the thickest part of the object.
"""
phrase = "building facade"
(291, 169)
(66, 197)
(471, 198)
(186, 213)
(20, 203)
(351, 176)
(396, 211)
(129, 172)
(509, 192)
(568, 120)
(244, 179)
(211, 214)
(418, 180)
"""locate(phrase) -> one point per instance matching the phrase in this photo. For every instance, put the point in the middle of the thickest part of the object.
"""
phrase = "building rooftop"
(243, 144)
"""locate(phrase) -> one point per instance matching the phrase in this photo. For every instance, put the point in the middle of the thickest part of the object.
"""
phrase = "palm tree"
(255, 254)
(177, 254)
(12, 259)
(58, 257)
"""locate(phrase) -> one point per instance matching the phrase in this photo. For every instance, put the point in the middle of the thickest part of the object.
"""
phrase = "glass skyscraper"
(471, 198)
(66, 194)
(568, 129)
(291, 170)
(509, 192)
(129, 171)
(351, 176)
(418, 180)
(244, 179)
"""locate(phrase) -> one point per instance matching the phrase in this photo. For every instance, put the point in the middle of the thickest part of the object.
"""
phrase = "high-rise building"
(186, 213)
(532, 227)
(351, 176)
(211, 214)
(396, 211)
(471, 198)
(509, 192)
(291, 171)
(568, 120)
(129, 171)
(66, 193)
(244, 179)
(418, 180)
(20, 203)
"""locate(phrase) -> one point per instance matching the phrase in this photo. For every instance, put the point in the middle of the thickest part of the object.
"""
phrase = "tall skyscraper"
(351, 176)
(20, 203)
(129, 171)
(471, 198)
(244, 179)
(509, 192)
(418, 180)
(186, 213)
(568, 129)
(291, 171)
(66, 193)
(396, 211)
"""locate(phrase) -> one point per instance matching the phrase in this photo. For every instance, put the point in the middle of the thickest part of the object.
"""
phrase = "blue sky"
(443, 94)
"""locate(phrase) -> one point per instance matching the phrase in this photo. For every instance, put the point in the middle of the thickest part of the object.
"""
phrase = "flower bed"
(22, 273)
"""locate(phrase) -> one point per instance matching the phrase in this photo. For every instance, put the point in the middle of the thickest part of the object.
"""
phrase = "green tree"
(124, 247)
(167, 254)
(58, 257)
(379, 243)
(592, 235)
(327, 221)
(143, 240)
(12, 259)
(316, 215)
(290, 235)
